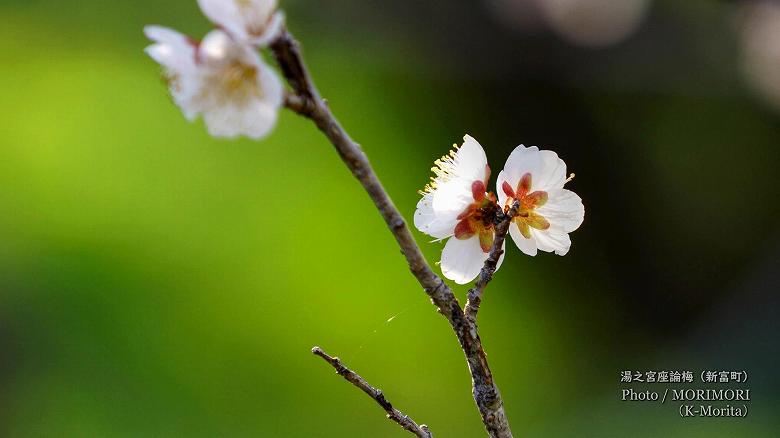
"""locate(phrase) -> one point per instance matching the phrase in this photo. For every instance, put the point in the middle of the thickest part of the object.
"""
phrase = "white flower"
(548, 212)
(456, 204)
(252, 21)
(225, 81)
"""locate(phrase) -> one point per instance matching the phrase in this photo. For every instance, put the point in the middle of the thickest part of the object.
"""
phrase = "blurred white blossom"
(587, 23)
(255, 22)
(223, 80)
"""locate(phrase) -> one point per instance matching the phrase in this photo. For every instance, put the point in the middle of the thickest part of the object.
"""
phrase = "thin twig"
(375, 393)
(474, 297)
(307, 102)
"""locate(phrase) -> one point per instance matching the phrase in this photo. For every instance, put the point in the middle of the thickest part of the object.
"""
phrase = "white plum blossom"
(223, 80)
(455, 205)
(548, 212)
(255, 22)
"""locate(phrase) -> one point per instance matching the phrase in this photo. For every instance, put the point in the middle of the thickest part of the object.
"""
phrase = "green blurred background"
(157, 282)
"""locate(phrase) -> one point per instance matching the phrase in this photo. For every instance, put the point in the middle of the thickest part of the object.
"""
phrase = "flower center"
(237, 82)
(526, 218)
(479, 217)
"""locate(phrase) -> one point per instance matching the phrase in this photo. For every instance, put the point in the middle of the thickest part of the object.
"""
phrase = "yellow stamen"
(443, 169)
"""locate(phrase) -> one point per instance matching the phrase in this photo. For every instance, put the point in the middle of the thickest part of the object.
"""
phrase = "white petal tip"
(151, 29)
(159, 33)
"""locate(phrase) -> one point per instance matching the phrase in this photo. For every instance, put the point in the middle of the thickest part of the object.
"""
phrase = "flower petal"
(500, 192)
(430, 223)
(226, 14)
(547, 170)
(453, 193)
(172, 49)
(522, 160)
(552, 241)
(272, 30)
(255, 120)
(461, 260)
(527, 246)
(563, 209)
(253, 21)
(503, 253)
(471, 160)
(452, 197)
(218, 48)
(272, 86)
(551, 173)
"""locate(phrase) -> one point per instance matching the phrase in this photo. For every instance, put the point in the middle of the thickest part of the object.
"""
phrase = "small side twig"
(474, 297)
(376, 394)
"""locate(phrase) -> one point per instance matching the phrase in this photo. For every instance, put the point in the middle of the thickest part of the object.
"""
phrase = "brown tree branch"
(375, 393)
(306, 101)
(474, 297)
